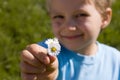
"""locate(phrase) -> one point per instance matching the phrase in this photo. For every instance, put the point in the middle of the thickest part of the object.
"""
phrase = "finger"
(29, 58)
(48, 75)
(26, 76)
(53, 65)
(52, 58)
(40, 53)
(27, 68)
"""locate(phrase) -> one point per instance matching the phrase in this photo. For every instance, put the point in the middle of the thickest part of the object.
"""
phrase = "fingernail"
(46, 60)
(52, 59)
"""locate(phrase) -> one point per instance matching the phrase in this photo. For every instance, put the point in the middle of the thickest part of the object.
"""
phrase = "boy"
(76, 24)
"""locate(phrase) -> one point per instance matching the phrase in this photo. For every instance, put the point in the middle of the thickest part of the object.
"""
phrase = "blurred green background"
(23, 22)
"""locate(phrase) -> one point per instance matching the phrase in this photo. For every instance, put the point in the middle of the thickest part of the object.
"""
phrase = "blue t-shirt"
(105, 65)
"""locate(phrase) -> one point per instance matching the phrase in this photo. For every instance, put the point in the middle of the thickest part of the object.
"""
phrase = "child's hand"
(37, 65)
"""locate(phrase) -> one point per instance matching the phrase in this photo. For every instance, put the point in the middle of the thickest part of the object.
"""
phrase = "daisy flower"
(53, 46)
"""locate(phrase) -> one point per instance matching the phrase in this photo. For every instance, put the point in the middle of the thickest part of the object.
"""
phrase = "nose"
(71, 25)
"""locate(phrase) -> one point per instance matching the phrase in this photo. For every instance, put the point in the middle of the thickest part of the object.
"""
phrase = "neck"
(89, 50)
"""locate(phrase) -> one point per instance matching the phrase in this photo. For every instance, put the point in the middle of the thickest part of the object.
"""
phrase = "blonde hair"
(101, 5)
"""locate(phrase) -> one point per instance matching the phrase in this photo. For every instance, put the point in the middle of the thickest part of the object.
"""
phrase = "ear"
(107, 18)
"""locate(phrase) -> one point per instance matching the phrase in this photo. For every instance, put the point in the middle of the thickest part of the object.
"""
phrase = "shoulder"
(109, 49)
(109, 52)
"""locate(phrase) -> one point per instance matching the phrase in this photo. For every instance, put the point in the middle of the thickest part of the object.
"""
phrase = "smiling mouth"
(73, 37)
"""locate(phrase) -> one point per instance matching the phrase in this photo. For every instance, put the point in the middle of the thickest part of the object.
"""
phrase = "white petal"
(53, 43)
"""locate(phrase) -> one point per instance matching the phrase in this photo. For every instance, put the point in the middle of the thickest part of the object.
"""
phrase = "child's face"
(76, 24)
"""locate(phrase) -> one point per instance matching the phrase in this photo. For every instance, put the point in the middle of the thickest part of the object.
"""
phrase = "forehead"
(71, 2)
(67, 4)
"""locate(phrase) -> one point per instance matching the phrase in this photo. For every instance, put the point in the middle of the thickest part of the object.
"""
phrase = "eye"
(58, 16)
(82, 15)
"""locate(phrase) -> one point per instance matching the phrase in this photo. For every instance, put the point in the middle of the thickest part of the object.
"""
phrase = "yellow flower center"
(53, 49)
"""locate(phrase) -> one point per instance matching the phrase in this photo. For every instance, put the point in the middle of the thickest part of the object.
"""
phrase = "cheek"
(90, 26)
(57, 23)
(55, 29)
(93, 28)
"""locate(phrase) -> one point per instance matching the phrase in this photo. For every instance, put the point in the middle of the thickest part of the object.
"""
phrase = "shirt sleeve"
(43, 44)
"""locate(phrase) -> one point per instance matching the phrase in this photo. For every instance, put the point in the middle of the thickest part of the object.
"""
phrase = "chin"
(71, 47)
